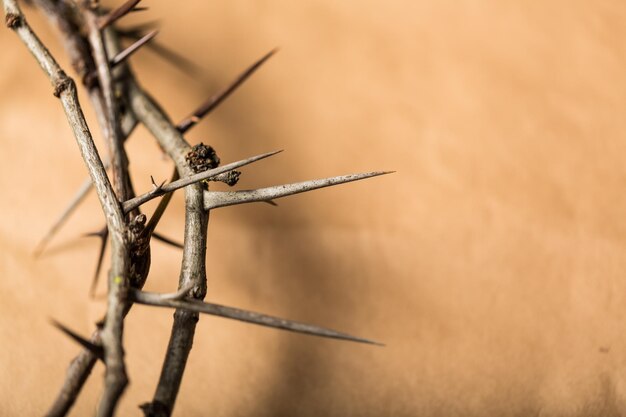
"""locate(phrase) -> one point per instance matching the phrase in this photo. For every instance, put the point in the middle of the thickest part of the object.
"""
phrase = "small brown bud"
(202, 158)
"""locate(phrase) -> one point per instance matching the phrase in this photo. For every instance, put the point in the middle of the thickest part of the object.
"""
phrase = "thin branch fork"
(183, 126)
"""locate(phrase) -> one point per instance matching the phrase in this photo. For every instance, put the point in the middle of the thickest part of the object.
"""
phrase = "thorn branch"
(174, 301)
(216, 199)
(133, 203)
(97, 350)
(183, 126)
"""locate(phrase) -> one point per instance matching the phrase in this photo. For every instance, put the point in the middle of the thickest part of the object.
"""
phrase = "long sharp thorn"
(117, 59)
(218, 98)
(156, 216)
(103, 235)
(245, 316)
(160, 210)
(215, 199)
(98, 351)
(78, 198)
(163, 51)
(117, 14)
(167, 240)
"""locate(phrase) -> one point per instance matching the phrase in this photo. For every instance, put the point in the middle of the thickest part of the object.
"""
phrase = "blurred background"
(491, 264)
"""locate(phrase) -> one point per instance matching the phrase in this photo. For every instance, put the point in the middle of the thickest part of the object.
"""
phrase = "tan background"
(492, 263)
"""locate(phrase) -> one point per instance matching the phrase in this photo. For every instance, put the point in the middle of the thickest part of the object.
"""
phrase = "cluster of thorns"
(92, 39)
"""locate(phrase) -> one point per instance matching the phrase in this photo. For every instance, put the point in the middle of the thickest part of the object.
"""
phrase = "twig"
(215, 199)
(113, 131)
(61, 13)
(116, 379)
(65, 89)
(176, 301)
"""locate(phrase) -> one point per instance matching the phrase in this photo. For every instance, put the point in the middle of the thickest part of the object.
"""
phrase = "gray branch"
(65, 89)
(193, 269)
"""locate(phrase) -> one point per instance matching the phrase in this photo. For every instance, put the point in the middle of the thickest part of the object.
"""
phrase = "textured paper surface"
(492, 264)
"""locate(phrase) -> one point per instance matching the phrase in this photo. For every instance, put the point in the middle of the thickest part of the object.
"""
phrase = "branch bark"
(193, 269)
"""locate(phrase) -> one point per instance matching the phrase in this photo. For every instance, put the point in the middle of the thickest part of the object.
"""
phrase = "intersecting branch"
(65, 89)
(90, 38)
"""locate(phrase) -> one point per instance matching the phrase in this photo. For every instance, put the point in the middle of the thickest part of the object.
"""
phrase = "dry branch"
(129, 123)
(89, 36)
(65, 89)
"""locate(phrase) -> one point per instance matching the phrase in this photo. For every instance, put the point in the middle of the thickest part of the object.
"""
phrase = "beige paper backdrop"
(492, 264)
